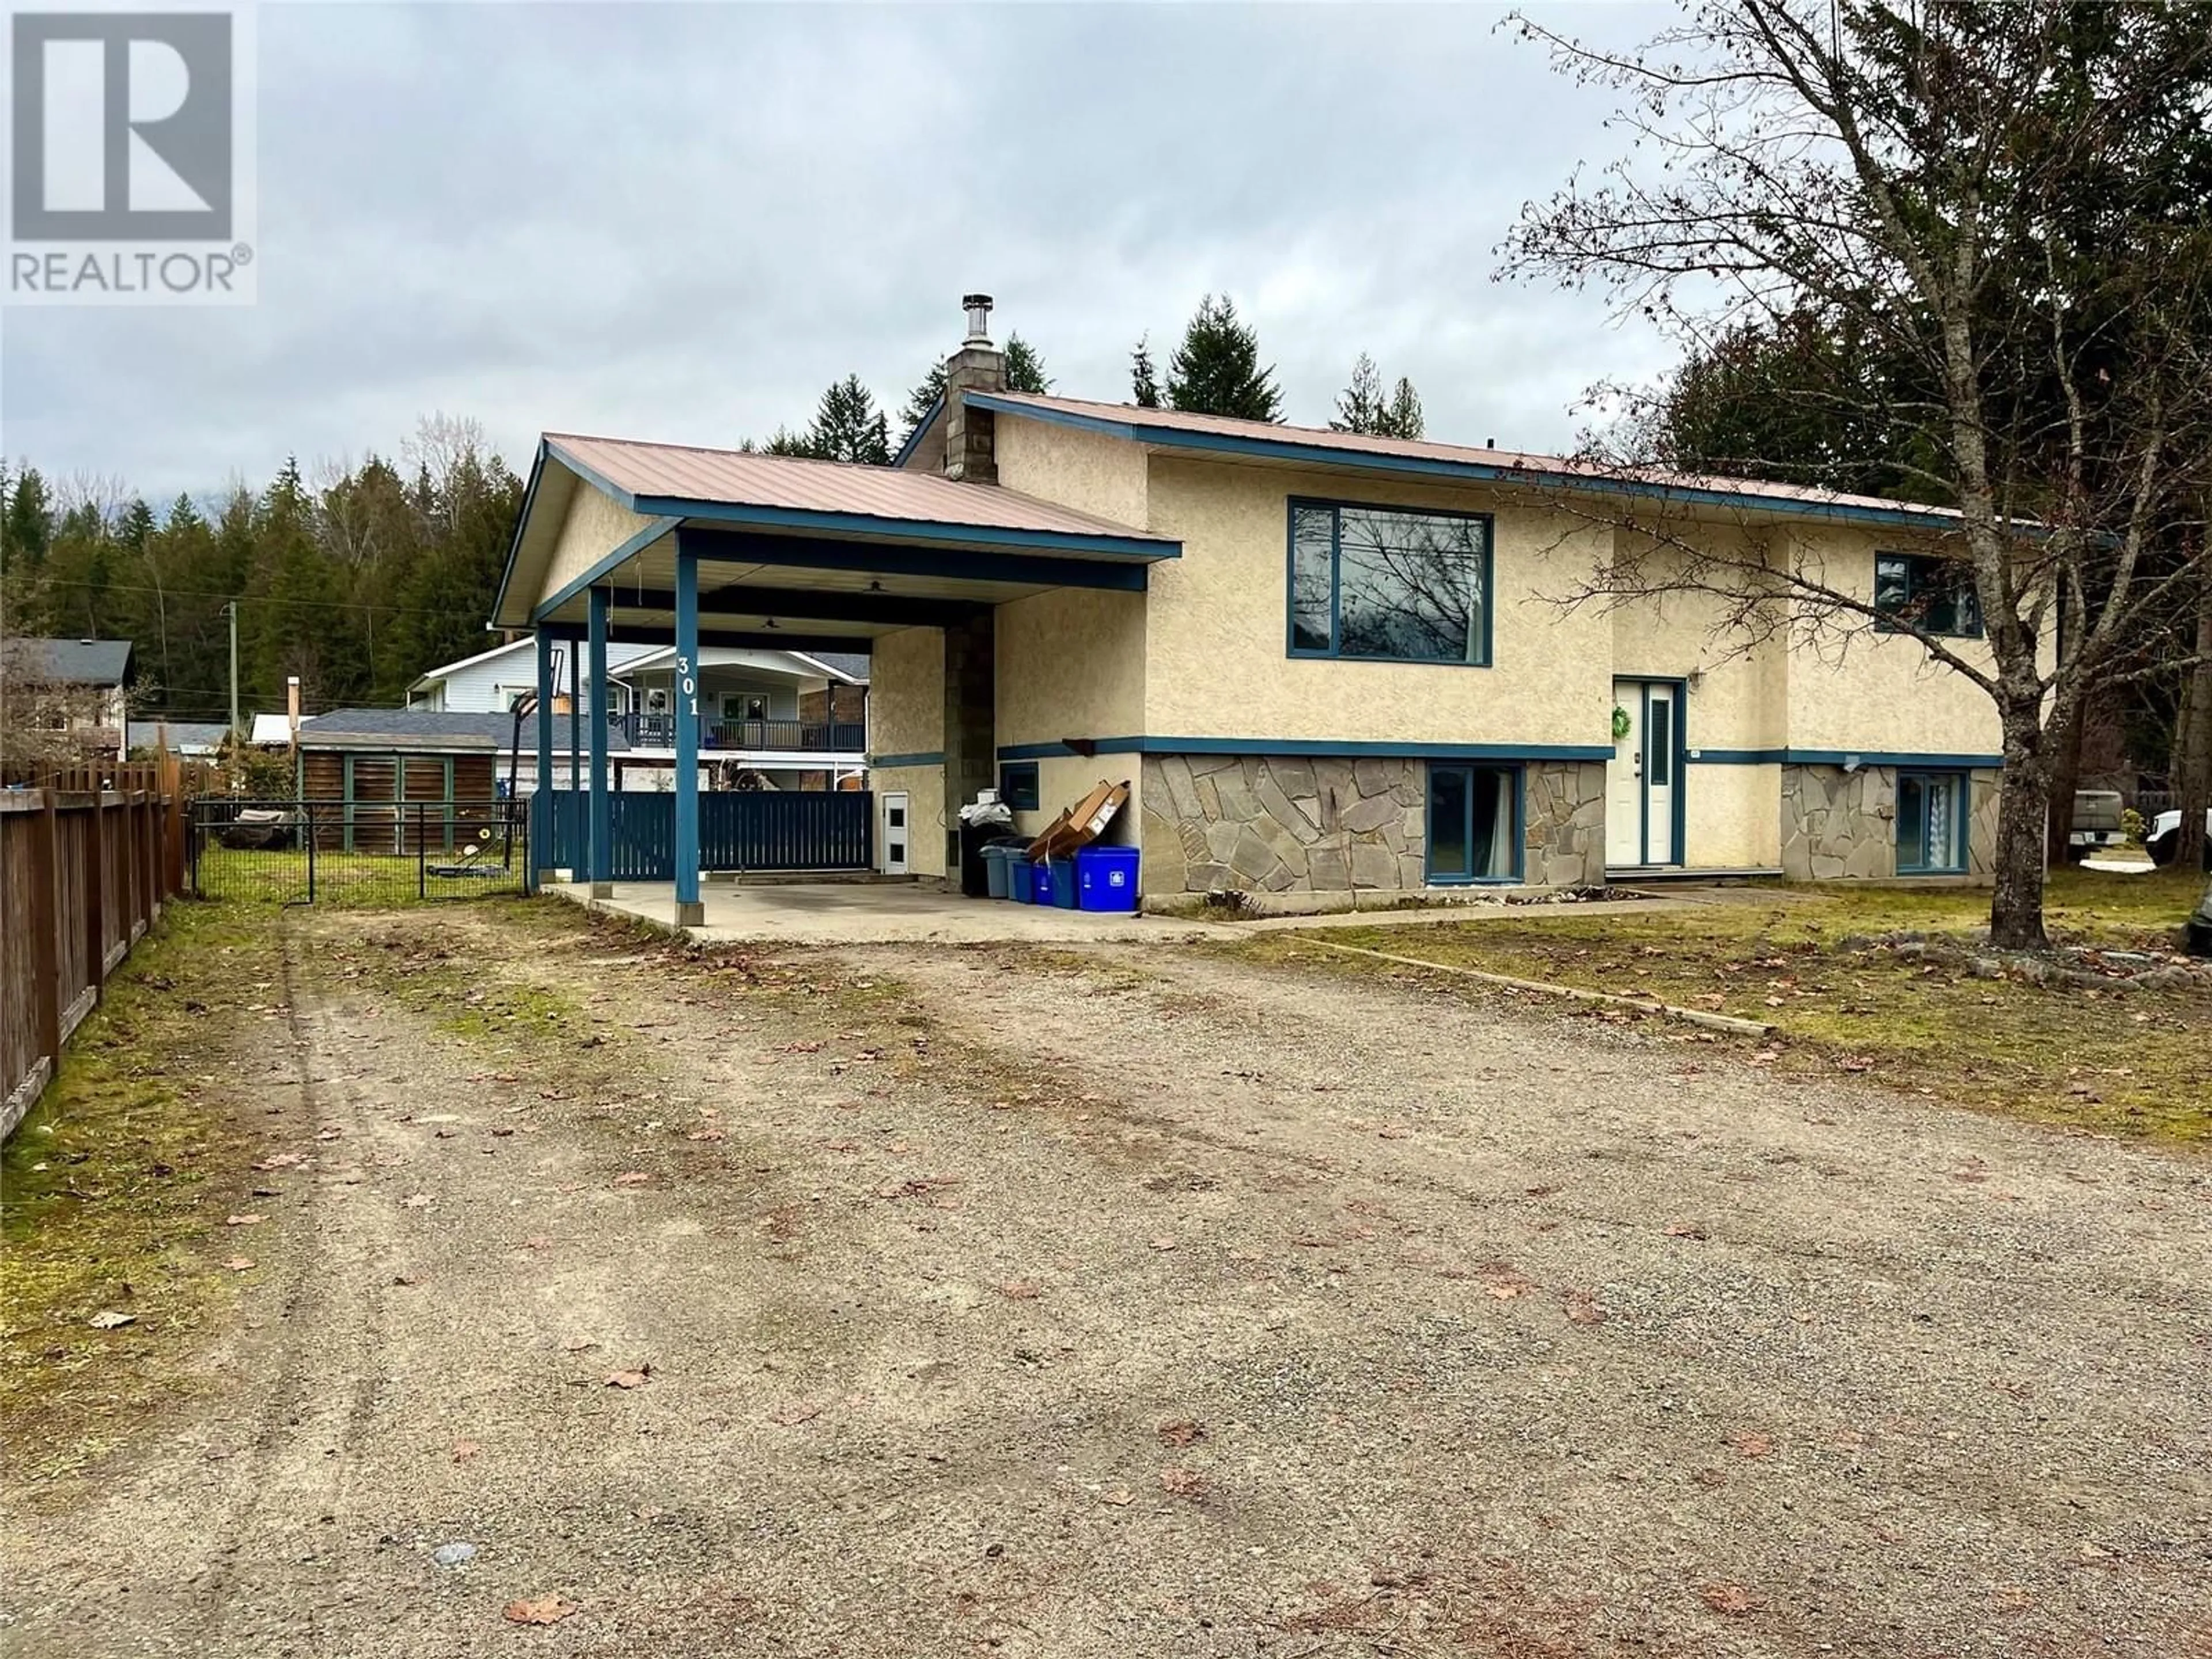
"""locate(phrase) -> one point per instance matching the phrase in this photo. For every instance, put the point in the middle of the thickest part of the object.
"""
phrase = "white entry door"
(895, 834)
(1641, 780)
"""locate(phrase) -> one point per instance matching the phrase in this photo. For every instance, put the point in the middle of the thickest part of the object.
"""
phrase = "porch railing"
(782, 737)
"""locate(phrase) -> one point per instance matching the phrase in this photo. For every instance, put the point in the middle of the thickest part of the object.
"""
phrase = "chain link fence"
(362, 853)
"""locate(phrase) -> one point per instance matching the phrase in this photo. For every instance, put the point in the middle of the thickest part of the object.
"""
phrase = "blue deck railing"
(780, 737)
(738, 830)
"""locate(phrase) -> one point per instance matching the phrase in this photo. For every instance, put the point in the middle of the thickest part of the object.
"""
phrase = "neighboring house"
(192, 740)
(79, 691)
(795, 720)
(1323, 661)
(426, 751)
(271, 732)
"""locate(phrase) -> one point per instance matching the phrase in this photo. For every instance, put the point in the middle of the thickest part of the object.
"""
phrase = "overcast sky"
(680, 222)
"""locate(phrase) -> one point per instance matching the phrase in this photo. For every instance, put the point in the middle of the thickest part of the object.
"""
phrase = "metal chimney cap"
(978, 307)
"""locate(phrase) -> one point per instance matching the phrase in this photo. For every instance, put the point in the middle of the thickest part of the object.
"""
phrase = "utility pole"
(233, 609)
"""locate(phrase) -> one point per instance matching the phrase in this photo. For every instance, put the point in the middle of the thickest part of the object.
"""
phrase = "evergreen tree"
(1144, 383)
(1362, 406)
(1216, 370)
(848, 427)
(26, 531)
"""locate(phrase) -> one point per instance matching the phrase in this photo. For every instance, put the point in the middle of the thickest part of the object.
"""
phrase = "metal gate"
(802, 830)
(357, 853)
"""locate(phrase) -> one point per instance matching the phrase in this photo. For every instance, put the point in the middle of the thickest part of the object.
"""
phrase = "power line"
(239, 598)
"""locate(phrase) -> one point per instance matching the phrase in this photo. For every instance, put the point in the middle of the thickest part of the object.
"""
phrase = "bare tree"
(2002, 203)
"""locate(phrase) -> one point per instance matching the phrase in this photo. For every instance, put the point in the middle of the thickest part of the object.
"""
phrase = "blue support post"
(602, 856)
(541, 795)
(689, 912)
(574, 842)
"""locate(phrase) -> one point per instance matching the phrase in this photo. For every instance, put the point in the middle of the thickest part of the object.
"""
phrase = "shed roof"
(438, 730)
(67, 662)
(1265, 439)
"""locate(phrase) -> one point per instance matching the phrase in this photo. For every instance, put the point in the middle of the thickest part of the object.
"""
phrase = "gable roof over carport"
(864, 548)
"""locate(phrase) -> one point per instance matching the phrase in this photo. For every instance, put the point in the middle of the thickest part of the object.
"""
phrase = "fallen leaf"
(1754, 1444)
(537, 1242)
(1710, 1478)
(1687, 1229)
(464, 1449)
(1119, 1497)
(706, 1134)
(244, 1220)
(543, 1610)
(1181, 1433)
(790, 1416)
(1731, 1599)
(110, 1320)
(415, 1201)
(279, 1161)
(632, 1178)
(1182, 1482)
(329, 1132)
(1164, 1243)
(238, 1264)
(1583, 1308)
(1019, 1290)
(630, 1379)
(1765, 1056)
(1394, 1132)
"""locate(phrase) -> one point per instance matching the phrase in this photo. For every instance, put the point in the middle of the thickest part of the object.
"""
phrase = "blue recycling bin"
(1040, 883)
(1020, 884)
(1106, 877)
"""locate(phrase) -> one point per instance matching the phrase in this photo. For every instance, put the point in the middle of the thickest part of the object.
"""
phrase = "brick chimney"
(978, 366)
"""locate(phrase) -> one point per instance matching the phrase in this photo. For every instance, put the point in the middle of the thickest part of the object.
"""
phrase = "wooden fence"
(84, 874)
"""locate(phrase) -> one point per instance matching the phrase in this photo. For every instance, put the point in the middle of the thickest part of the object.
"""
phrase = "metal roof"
(1179, 428)
(663, 478)
(853, 664)
(187, 737)
(436, 729)
(67, 662)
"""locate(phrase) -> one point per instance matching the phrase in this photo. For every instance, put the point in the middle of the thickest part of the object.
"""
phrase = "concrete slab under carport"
(875, 912)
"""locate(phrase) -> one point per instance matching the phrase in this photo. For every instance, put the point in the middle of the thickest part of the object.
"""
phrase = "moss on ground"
(2135, 1063)
(116, 1185)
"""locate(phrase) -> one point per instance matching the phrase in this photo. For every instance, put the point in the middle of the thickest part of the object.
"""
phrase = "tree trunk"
(2065, 779)
(2192, 750)
(2023, 815)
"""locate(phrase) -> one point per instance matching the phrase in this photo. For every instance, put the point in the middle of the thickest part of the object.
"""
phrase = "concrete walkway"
(877, 913)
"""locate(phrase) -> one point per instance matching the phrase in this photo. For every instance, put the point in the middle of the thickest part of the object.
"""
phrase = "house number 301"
(691, 685)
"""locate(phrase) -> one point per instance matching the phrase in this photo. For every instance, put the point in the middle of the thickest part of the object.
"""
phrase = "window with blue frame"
(1389, 585)
(1472, 834)
(1931, 824)
(1936, 596)
(1018, 785)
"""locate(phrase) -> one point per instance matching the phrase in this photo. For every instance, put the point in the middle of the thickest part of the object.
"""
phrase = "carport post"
(541, 795)
(578, 854)
(602, 855)
(689, 913)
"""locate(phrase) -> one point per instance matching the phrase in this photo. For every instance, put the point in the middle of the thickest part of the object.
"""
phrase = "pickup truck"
(2097, 814)
(2163, 838)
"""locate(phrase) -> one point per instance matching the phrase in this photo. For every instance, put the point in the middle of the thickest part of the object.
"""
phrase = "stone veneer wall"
(1280, 824)
(1837, 823)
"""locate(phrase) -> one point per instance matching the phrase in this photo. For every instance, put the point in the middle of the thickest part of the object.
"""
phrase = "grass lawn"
(117, 1183)
(2135, 1063)
(372, 880)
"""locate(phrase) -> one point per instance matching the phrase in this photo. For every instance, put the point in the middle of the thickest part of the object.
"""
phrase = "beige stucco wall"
(1731, 816)
(1071, 664)
(906, 693)
(1216, 662)
(1064, 780)
(595, 524)
(1881, 692)
(924, 786)
(1086, 471)
(1740, 697)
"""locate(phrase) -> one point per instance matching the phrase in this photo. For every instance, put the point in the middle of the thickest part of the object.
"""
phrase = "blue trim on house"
(914, 437)
(891, 559)
(1324, 748)
(919, 758)
(1471, 472)
(935, 532)
(623, 552)
(1844, 758)
(1335, 654)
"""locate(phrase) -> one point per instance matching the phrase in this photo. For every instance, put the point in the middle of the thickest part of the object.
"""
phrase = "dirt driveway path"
(1143, 1303)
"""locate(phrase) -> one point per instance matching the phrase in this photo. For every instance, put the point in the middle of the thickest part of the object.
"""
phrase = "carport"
(666, 544)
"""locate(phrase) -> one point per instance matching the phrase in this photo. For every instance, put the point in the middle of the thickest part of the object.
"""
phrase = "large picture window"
(1936, 596)
(1389, 585)
(1471, 823)
(1931, 824)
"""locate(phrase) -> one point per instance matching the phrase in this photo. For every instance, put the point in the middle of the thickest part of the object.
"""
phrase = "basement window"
(1018, 785)
(1472, 814)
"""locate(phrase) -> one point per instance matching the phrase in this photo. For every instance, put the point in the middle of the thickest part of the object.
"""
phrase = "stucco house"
(1323, 661)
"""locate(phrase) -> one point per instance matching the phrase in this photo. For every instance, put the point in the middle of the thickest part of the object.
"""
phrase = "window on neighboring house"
(1471, 823)
(1018, 785)
(1931, 824)
(1936, 595)
(1389, 585)
(656, 700)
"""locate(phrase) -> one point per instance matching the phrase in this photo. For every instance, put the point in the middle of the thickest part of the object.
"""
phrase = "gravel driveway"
(1147, 1302)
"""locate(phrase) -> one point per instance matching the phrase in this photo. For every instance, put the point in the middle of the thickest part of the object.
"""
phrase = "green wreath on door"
(1620, 722)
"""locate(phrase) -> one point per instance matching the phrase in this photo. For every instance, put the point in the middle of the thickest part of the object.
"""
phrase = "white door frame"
(1656, 769)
